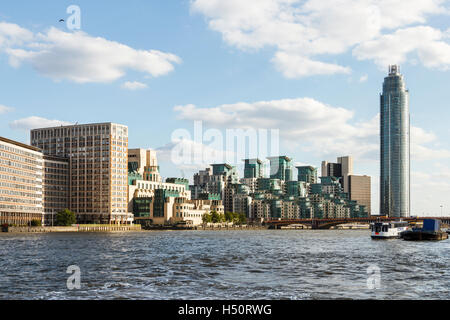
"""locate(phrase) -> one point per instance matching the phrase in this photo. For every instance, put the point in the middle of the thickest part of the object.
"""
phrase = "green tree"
(242, 219)
(207, 217)
(215, 217)
(229, 216)
(65, 218)
(235, 217)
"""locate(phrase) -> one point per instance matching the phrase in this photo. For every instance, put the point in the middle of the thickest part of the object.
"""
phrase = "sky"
(306, 73)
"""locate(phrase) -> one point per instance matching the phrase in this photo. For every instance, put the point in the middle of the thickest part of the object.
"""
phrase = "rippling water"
(272, 264)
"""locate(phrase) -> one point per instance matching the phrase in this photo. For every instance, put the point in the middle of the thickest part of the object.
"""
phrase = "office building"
(55, 187)
(343, 168)
(360, 191)
(21, 175)
(98, 160)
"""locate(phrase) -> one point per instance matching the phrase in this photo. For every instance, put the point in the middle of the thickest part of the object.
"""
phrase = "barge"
(431, 230)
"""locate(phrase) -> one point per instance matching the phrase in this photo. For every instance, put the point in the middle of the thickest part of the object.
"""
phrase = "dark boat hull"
(421, 236)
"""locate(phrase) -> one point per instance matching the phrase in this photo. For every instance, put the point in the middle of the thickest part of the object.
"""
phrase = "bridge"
(327, 223)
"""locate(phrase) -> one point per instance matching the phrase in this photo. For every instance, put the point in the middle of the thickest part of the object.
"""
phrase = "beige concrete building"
(145, 163)
(98, 159)
(21, 170)
(360, 191)
(159, 203)
(190, 212)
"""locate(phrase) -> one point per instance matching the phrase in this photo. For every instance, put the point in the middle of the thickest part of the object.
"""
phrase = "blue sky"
(312, 69)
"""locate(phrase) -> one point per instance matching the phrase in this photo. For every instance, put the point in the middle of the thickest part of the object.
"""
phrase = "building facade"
(253, 168)
(55, 187)
(307, 174)
(343, 168)
(281, 168)
(395, 146)
(360, 191)
(98, 159)
(21, 179)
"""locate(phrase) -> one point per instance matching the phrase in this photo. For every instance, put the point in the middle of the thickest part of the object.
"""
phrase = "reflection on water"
(270, 264)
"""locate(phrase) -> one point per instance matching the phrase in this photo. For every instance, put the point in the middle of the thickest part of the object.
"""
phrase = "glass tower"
(395, 146)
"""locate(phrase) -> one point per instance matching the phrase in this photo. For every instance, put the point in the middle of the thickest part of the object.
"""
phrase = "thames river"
(265, 264)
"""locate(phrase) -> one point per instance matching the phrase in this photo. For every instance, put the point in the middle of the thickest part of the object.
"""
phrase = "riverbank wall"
(78, 228)
(232, 227)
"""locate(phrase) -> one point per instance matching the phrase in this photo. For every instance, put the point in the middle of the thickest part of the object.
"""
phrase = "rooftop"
(79, 125)
(19, 144)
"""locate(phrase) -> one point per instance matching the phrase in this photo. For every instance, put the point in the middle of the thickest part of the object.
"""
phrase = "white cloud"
(135, 85)
(79, 57)
(192, 155)
(35, 123)
(5, 109)
(313, 126)
(12, 34)
(363, 78)
(295, 66)
(426, 42)
(423, 146)
(301, 31)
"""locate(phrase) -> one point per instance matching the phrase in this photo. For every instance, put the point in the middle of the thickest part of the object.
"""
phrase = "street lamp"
(441, 209)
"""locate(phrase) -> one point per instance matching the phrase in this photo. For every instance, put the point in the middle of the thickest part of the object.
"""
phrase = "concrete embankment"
(80, 228)
(234, 227)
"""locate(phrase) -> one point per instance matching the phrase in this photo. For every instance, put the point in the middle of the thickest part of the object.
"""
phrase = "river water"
(263, 264)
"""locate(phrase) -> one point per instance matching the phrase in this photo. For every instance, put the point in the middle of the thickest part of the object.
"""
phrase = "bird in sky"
(61, 20)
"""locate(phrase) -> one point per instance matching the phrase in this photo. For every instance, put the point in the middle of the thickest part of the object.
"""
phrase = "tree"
(65, 218)
(215, 217)
(207, 218)
(242, 218)
(229, 216)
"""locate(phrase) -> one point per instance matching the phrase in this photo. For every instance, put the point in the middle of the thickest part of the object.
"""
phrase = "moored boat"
(388, 230)
(431, 230)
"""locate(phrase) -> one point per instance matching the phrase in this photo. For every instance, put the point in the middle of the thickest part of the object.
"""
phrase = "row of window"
(17, 158)
(20, 151)
(20, 194)
(19, 186)
(17, 165)
(16, 179)
(20, 173)
(24, 201)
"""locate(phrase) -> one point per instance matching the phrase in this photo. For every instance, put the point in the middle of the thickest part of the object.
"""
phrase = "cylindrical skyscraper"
(395, 146)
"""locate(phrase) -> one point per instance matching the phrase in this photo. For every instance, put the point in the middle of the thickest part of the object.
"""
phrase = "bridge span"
(327, 223)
